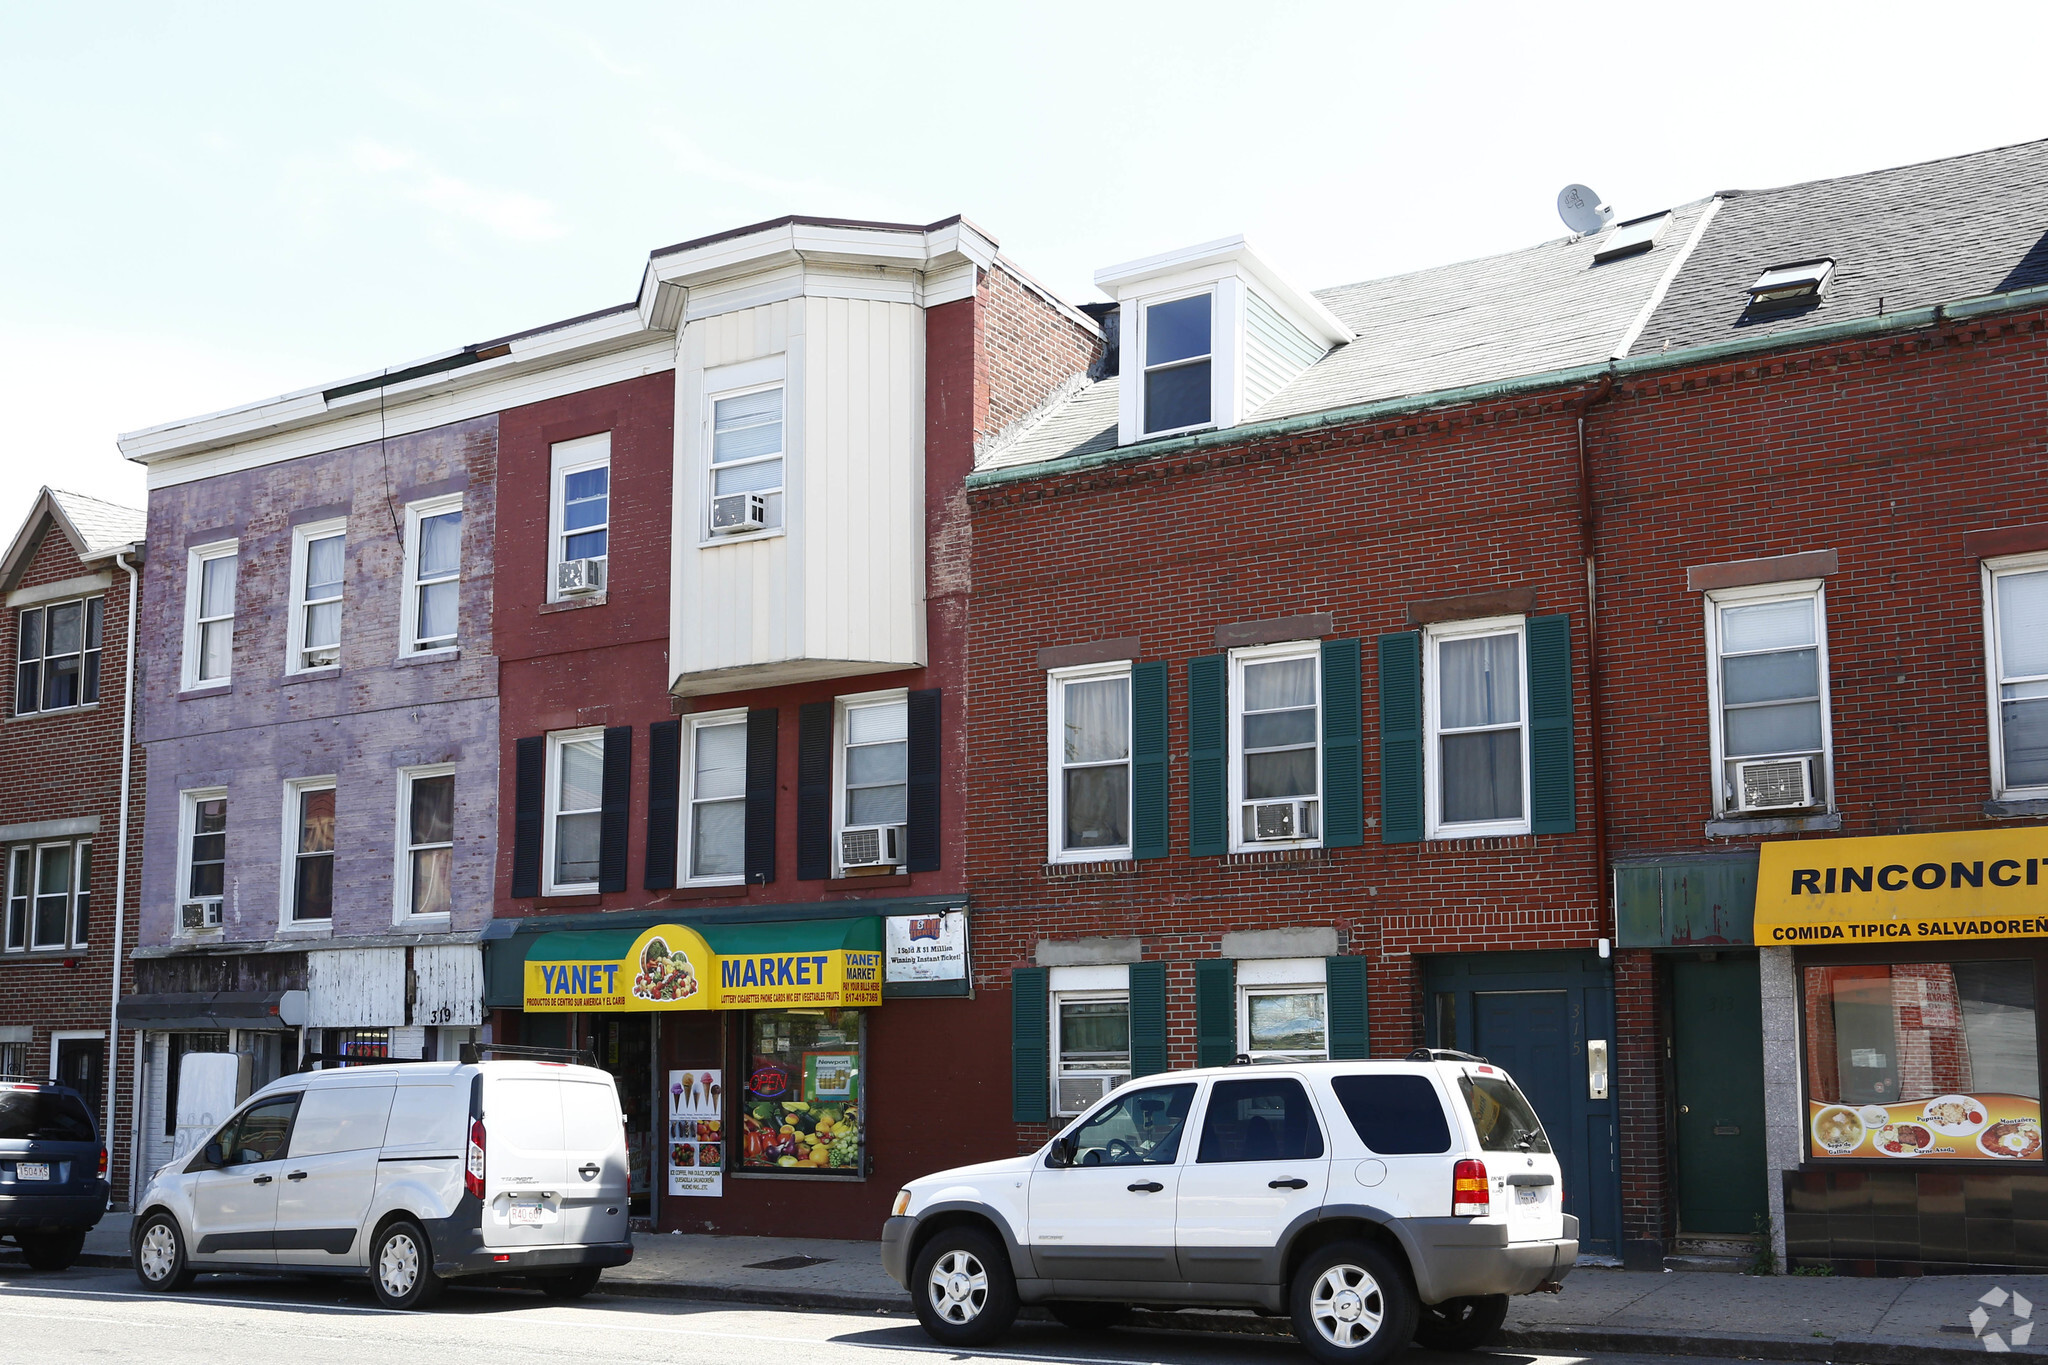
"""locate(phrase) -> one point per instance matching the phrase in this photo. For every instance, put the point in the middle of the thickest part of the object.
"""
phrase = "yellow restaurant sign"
(1985, 883)
(671, 967)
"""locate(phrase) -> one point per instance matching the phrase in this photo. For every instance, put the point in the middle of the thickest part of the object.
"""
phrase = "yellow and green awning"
(831, 962)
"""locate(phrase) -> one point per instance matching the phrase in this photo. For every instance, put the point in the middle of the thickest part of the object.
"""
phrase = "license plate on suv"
(526, 1213)
(1528, 1194)
(31, 1170)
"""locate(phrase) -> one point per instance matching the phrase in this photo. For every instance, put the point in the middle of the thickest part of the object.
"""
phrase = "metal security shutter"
(1401, 737)
(921, 831)
(1209, 756)
(1215, 1012)
(1030, 1047)
(664, 785)
(762, 727)
(1553, 792)
(1343, 747)
(1148, 1018)
(1148, 760)
(1350, 1039)
(814, 791)
(618, 805)
(529, 799)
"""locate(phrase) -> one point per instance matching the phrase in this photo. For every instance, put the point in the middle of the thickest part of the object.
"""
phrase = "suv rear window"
(1394, 1115)
(43, 1116)
(1504, 1119)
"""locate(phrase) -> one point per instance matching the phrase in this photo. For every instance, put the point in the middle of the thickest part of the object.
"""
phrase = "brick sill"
(573, 603)
(1108, 867)
(47, 957)
(55, 712)
(877, 883)
(431, 656)
(324, 673)
(1785, 824)
(210, 690)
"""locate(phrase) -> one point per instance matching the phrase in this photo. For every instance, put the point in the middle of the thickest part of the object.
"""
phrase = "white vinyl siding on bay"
(1275, 351)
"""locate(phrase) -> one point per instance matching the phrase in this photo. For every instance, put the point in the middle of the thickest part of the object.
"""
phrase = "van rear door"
(525, 1167)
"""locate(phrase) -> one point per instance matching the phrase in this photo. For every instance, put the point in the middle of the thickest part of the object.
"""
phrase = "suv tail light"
(103, 1163)
(473, 1164)
(1471, 1197)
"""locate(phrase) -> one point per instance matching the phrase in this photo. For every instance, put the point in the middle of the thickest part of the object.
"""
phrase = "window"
(874, 778)
(579, 507)
(715, 795)
(575, 809)
(314, 631)
(1795, 283)
(1275, 739)
(2016, 594)
(1283, 1023)
(49, 896)
(1394, 1115)
(309, 849)
(746, 458)
(30, 1116)
(426, 839)
(210, 614)
(1501, 1116)
(257, 1133)
(1091, 1048)
(1267, 1119)
(804, 1112)
(1478, 764)
(1177, 364)
(1142, 1128)
(14, 1044)
(433, 574)
(60, 656)
(1091, 763)
(1769, 697)
(203, 850)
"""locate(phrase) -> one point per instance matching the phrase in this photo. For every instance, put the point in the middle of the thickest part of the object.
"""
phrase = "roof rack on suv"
(1443, 1054)
(476, 1052)
(310, 1060)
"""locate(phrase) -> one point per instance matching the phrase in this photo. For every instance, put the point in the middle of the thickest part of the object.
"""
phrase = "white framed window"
(1283, 1010)
(210, 614)
(425, 875)
(49, 896)
(579, 505)
(1276, 744)
(1177, 344)
(573, 833)
(714, 796)
(58, 656)
(202, 857)
(1091, 1045)
(873, 779)
(433, 576)
(745, 445)
(307, 895)
(1767, 690)
(2016, 642)
(313, 633)
(1476, 705)
(1089, 763)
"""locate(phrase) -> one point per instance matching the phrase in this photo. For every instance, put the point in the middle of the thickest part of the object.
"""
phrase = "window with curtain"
(210, 607)
(2019, 653)
(576, 815)
(1177, 364)
(435, 561)
(312, 869)
(316, 612)
(1769, 669)
(717, 798)
(205, 845)
(746, 448)
(1277, 734)
(59, 656)
(1478, 756)
(1091, 763)
(1092, 1052)
(429, 842)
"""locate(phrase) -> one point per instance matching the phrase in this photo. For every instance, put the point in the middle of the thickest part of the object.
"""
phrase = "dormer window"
(1800, 282)
(1177, 364)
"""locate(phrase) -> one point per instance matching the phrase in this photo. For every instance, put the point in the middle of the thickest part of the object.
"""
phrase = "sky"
(212, 204)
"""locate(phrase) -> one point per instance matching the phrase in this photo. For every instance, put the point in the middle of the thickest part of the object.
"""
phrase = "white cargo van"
(414, 1173)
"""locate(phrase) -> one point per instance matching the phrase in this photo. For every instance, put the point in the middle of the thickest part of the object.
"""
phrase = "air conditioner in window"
(736, 512)
(1275, 821)
(324, 657)
(871, 846)
(1078, 1093)
(1774, 784)
(575, 577)
(199, 914)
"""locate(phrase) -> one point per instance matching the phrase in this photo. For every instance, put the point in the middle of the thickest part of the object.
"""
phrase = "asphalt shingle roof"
(104, 526)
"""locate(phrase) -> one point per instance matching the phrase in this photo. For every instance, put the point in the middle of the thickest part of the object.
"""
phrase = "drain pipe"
(121, 883)
(1584, 403)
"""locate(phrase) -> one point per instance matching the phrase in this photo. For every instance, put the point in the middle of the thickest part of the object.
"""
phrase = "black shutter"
(921, 826)
(814, 791)
(529, 798)
(1148, 1018)
(1030, 1047)
(1148, 760)
(664, 789)
(618, 803)
(761, 736)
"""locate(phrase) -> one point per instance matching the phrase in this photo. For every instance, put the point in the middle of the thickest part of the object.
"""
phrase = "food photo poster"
(696, 1140)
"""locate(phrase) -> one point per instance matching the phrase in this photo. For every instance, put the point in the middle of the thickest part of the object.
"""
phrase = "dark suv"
(53, 1171)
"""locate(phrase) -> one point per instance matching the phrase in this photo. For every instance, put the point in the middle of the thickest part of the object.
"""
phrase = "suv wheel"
(1352, 1305)
(53, 1251)
(963, 1288)
(402, 1267)
(160, 1254)
(1461, 1324)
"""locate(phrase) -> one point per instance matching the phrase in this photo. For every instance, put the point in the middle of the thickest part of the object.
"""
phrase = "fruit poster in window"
(831, 1075)
(696, 1132)
(1946, 1128)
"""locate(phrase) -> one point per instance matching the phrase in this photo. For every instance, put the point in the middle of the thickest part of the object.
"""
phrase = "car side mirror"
(1062, 1153)
(212, 1155)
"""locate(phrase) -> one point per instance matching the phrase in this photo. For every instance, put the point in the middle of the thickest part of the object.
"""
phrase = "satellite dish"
(1582, 210)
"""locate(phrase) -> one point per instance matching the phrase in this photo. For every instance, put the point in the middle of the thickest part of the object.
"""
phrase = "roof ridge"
(1881, 170)
(88, 497)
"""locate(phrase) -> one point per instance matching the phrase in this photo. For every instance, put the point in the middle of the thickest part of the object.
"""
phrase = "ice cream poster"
(696, 1133)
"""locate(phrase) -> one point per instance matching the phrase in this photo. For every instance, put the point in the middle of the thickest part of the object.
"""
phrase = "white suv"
(1374, 1202)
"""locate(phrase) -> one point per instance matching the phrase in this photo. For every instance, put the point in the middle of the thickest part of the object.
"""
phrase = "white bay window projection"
(1091, 1048)
(1477, 711)
(2018, 599)
(1091, 763)
(874, 775)
(309, 812)
(210, 615)
(49, 896)
(1770, 711)
(746, 462)
(315, 627)
(433, 555)
(59, 659)
(1177, 364)
(1277, 734)
(716, 798)
(428, 838)
(576, 809)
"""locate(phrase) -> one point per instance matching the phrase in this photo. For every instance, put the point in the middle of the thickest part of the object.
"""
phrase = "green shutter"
(1343, 747)
(1215, 1012)
(1148, 760)
(1148, 1018)
(1553, 796)
(1209, 756)
(1350, 1039)
(1401, 737)
(1030, 1047)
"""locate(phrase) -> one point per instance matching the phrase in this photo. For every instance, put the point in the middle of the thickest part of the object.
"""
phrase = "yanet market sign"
(1972, 884)
(671, 967)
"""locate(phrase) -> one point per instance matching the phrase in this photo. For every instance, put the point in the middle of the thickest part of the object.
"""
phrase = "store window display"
(803, 1102)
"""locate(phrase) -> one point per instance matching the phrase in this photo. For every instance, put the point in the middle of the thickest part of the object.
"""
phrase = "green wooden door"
(1718, 1064)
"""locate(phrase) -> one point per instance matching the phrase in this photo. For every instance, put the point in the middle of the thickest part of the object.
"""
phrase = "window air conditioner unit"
(1078, 1093)
(575, 577)
(1278, 820)
(1774, 784)
(200, 914)
(872, 846)
(736, 512)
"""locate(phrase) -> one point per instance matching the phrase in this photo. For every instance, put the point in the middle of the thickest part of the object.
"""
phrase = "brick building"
(68, 575)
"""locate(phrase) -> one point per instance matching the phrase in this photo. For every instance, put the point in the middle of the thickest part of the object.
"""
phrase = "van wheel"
(573, 1285)
(1090, 1317)
(160, 1254)
(963, 1288)
(1352, 1305)
(1461, 1324)
(56, 1251)
(402, 1267)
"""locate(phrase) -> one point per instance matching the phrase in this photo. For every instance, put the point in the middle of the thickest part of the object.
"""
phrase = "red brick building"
(68, 575)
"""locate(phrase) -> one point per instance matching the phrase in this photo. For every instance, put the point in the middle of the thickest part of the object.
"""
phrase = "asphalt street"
(103, 1315)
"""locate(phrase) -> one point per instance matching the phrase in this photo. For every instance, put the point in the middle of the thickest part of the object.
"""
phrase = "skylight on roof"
(1790, 283)
(1635, 236)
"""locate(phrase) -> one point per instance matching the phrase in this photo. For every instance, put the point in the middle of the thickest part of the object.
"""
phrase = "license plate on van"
(31, 1170)
(526, 1213)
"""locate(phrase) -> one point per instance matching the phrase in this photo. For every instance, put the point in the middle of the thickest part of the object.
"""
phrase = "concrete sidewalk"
(1862, 1321)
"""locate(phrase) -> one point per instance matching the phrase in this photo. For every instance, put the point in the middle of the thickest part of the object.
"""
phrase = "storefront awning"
(1685, 902)
(1969, 884)
(213, 1010)
(831, 962)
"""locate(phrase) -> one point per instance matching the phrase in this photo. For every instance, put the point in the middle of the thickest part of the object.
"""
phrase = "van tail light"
(473, 1164)
(103, 1163)
(1471, 1197)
